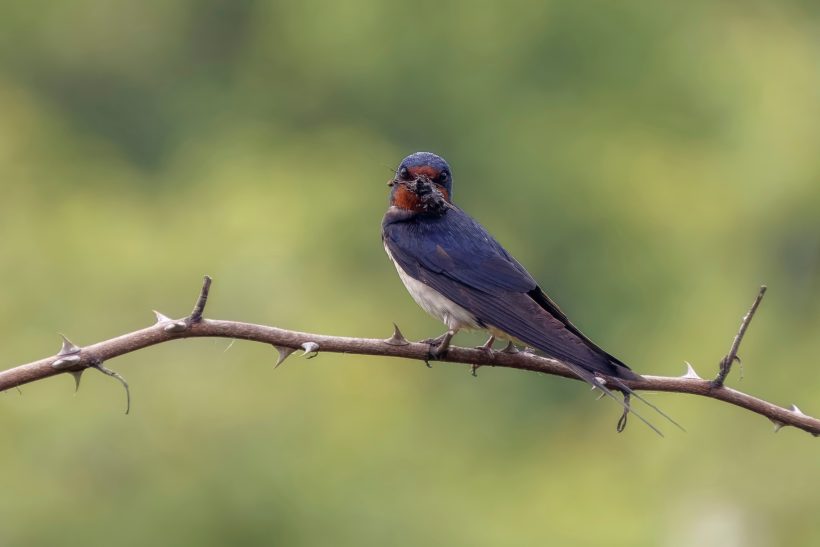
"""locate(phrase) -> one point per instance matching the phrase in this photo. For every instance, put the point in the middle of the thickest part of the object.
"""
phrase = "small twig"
(731, 357)
(199, 307)
(625, 416)
(286, 341)
(118, 377)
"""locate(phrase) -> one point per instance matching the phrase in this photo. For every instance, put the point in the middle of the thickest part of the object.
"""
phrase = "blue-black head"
(429, 165)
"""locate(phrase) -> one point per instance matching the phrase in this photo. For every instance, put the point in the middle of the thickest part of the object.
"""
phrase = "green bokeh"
(651, 163)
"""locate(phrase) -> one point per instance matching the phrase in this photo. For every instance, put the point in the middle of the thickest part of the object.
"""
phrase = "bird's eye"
(404, 173)
(443, 176)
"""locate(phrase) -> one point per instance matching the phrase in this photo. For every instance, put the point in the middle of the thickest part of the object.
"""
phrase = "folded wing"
(457, 257)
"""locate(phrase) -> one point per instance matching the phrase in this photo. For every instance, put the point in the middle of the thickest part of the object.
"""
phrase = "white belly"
(435, 303)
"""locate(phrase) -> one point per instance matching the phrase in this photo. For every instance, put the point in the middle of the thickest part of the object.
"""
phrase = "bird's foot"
(438, 346)
(438, 350)
(434, 341)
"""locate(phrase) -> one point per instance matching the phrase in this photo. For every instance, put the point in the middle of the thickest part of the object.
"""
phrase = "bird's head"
(423, 183)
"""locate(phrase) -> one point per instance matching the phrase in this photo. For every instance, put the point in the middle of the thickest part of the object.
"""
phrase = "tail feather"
(620, 370)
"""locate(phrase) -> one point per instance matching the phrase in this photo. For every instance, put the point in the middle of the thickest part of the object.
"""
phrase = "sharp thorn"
(284, 353)
(116, 375)
(69, 361)
(778, 425)
(161, 318)
(797, 410)
(68, 346)
(487, 346)
(78, 375)
(397, 339)
(601, 396)
(175, 327)
(311, 350)
(690, 372)
(510, 348)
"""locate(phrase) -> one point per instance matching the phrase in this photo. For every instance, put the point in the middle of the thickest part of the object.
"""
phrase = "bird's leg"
(487, 347)
(434, 341)
(439, 346)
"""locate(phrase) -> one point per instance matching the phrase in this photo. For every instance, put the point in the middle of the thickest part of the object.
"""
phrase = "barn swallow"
(457, 272)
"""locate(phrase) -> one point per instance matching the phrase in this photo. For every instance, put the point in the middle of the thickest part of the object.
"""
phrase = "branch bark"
(75, 360)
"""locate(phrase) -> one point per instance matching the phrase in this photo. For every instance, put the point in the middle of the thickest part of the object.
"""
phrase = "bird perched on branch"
(457, 272)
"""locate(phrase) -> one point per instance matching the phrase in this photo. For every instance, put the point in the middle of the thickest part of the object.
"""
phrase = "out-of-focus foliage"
(651, 163)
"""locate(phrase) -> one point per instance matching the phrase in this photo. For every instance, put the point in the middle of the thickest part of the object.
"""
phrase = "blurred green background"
(650, 163)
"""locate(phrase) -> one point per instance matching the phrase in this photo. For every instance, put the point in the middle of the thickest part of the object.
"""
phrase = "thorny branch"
(74, 359)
